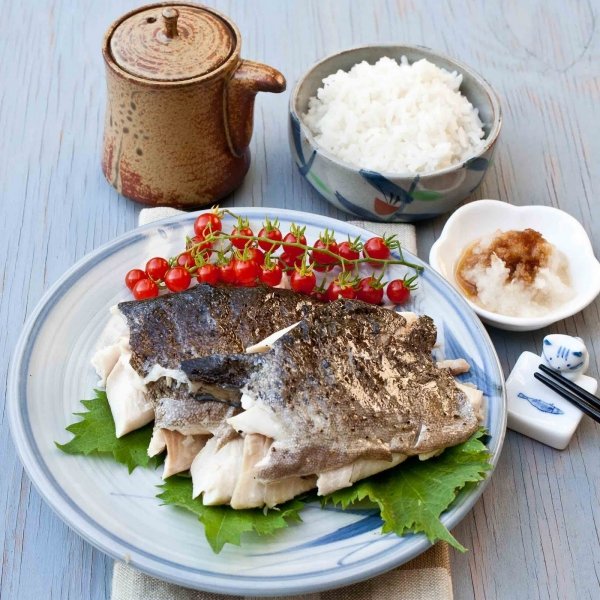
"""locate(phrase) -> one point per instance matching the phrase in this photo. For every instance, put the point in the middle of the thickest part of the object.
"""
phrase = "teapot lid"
(172, 42)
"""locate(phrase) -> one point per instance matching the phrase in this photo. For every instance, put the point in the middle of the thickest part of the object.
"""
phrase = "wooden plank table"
(534, 534)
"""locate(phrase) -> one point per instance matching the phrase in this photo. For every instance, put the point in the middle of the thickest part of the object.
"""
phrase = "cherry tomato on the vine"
(134, 276)
(322, 268)
(337, 289)
(178, 279)
(271, 276)
(398, 291)
(290, 261)
(227, 273)
(303, 282)
(370, 290)
(208, 273)
(273, 234)
(157, 267)
(246, 272)
(376, 247)
(201, 245)
(296, 236)
(239, 242)
(206, 224)
(323, 258)
(320, 295)
(256, 255)
(186, 260)
(145, 288)
(347, 251)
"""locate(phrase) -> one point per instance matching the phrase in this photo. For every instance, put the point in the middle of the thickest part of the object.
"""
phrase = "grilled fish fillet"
(204, 320)
(351, 382)
(141, 363)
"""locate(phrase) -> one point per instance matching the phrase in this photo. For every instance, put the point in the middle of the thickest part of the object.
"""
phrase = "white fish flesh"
(126, 393)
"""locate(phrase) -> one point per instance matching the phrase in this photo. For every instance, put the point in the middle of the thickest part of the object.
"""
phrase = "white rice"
(397, 118)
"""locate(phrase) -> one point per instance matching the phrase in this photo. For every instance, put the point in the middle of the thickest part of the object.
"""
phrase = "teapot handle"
(247, 80)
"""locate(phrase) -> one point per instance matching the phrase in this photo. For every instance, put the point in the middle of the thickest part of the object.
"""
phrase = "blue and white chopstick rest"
(538, 412)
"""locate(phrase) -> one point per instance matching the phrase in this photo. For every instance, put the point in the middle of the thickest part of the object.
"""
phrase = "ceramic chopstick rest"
(535, 410)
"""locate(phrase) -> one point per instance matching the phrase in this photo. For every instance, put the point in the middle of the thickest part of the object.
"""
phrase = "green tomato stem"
(379, 261)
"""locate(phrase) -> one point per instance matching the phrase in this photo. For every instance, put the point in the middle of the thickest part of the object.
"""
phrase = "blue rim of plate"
(118, 548)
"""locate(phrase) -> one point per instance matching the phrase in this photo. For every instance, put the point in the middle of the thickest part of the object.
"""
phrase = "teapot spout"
(247, 80)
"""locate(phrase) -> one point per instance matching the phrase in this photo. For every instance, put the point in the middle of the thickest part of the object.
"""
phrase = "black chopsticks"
(582, 399)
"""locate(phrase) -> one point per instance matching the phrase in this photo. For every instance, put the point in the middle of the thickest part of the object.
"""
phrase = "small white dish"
(484, 217)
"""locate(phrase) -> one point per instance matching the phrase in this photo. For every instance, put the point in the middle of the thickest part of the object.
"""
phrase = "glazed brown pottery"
(180, 105)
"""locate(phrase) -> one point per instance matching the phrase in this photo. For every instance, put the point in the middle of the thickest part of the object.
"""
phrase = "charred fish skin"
(350, 382)
(223, 374)
(206, 320)
(198, 322)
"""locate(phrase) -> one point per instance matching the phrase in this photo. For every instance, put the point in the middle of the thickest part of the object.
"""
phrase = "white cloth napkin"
(427, 577)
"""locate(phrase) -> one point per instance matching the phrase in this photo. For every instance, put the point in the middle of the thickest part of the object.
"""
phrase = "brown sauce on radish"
(522, 252)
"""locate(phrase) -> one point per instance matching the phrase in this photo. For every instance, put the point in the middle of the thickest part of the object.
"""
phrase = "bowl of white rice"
(393, 133)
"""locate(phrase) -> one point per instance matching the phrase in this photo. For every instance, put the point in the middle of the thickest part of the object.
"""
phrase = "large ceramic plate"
(119, 513)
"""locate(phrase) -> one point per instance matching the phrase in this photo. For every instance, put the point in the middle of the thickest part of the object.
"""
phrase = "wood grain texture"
(535, 532)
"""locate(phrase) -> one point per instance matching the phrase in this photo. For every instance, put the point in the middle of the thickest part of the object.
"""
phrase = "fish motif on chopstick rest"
(538, 412)
(540, 404)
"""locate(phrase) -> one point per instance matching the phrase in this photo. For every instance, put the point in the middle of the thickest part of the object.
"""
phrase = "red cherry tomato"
(337, 290)
(227, 273)
(207, 223)
(186, 260)
(294, 238)
(288, 261)
(241, 243)
(370, 290)
(322, 268)
(303, 283)
(208, 273)
(273, 234)
(256, 255)
(376, 248)
(157, 267)
(133, 277)
(145, 288)
(322, 258)
(398, 292)
(347, 252)
(246, 272)
(201, 245)
(271, 276)
(178, 279)
(320, 295)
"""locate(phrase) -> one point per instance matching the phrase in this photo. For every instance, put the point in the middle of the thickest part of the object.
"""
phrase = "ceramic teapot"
(180, 105)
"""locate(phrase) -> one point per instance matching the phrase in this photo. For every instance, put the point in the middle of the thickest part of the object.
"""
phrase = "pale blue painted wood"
(535, 532)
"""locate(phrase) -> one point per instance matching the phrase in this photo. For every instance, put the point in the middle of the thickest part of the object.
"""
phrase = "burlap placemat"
(427, 577)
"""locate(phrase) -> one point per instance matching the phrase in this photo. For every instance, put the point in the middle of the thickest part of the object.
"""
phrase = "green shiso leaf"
(95, 434)
(412, 496)
(222, 524)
